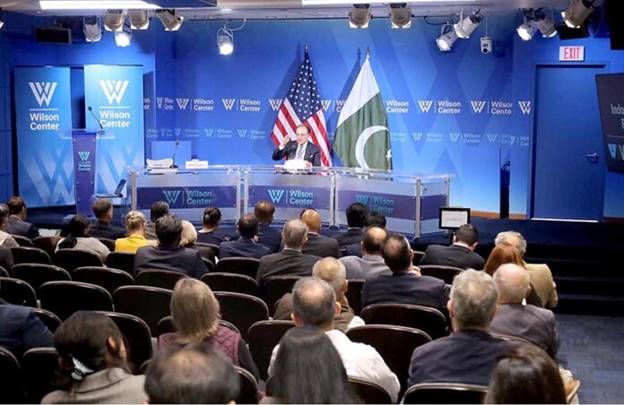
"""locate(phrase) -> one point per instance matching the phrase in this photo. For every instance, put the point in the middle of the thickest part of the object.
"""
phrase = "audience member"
(267, 235)
(16, 224)
(371, 264)
(526, 375)
(405, 285)
(541, 276)
(290, 261)
(195, 374)
(168, 254)
(79, 238)
(314, 305)
(373, 219)
(6, 239)
(210, 232)
(470, 353)
(188, 237)
(460, 254)
(93, 367)
(308, 370)
(333, 272)
(21, 329)
(317, 244)
(135, 225)
(356, 221)
(6, 259)
(246, 245)
(103, 211)
(159, 209)
(532, 323)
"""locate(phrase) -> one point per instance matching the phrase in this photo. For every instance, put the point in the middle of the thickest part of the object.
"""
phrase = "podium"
(84, 144)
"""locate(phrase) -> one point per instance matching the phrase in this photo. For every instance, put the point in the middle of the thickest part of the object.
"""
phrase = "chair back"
(445, 273)
(242, 310)
(70, 259)
(17, 292)
(23, 241)
(3, 272)
(262, 338)
(248, 393)
(369, 392)
(166, 325)
(137, 336)
(10, 370)
(231, 282)
(354, 295)
(49, 319)
(47, 243)
(246, 266)
(429, 320)
(276, 287)
(109, 243)
(40, 365)
(122, 261)
(207, 251)
(445, 393)
(210, 266)
(37, 274)
(106, 277)
(30, 254)
(64, 298)
(148, 303)
(418, 255)
(159, 278)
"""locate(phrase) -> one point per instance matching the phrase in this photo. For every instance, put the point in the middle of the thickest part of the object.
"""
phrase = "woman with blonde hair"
(196, 314)
(135, 225)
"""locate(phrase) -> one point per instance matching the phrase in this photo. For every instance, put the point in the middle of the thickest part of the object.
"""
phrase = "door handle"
(592, 157)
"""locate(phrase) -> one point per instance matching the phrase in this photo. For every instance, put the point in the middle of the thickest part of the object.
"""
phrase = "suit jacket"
(349, 237)
(354, 249)
(364, 268)
(6, 259)
(312, 153)
(243, 247)
(453, 255)
(214, 237)
(319, 245)
(543, 284)
(269, 236)
(288, 262)
(405, 288)
(101, 230)
(537, 325)
(184, 260)
(21, 329)
(16, 226)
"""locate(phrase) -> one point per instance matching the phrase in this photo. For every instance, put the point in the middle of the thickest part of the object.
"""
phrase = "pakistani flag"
(362, 138)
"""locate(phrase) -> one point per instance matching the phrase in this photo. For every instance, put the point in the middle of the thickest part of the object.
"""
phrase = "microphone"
(175, 150)
(95, 117)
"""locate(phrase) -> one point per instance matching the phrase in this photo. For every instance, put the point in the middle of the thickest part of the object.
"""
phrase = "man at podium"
(301, 149)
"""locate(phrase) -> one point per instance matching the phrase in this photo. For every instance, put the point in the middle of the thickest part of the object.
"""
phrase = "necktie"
(300, 152)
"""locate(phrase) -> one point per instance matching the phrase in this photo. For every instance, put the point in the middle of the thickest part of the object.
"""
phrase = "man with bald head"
(318, 244)
(532, 323)
(371, 264)
(290, 261)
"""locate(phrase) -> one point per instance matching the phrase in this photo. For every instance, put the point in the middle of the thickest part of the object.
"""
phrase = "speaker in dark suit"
(302, 148)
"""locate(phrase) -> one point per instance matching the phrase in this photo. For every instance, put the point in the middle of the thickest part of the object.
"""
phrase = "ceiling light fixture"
(466, 25)
(114, 20)
(123, 38)
(139, 19)
(1, 20)
(526, 30)
(577, 12)
(447, 38)
(95, 4)
(400, 15)
(225, 38)
(360, 16)
(92, 28)
(169, 19)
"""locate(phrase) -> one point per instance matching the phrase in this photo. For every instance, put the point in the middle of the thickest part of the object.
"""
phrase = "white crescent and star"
(361, 144)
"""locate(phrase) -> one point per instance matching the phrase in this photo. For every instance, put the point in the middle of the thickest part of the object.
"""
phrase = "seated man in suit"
(267, 235)
(246, 245)
(157, 210)
(356, 220)
(21, 329)
(541, 276)
(532, 323)
(470, 353)
(290, 261)
(460, 254)
(6, 239)
(373, 218)
(301, 149)
(103, 211)
(168, 254)
(317, 244)
(16, 224)
(405, 285)
(371, 264)
(6, 259)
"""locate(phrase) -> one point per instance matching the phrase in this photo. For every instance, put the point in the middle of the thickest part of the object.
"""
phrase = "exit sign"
(572, 53)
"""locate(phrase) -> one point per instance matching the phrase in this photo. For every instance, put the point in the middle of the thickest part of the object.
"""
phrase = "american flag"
(303, 106)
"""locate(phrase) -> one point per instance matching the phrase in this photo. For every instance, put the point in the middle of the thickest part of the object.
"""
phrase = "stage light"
(1, 20)
(138, 19)
(577, 12)
(545, 25)
(400, 15)
(95, 4)
(225, 41)
(114, 20)
(92, 29)
(526, 30)
(169, 19)
(124, 37)
(447, 38)
(359, 16)
(466, 26)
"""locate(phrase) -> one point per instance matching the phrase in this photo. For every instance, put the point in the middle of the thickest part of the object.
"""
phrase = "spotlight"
(466, 26)
(526, 30)
(114, 20)
(138, 19)
(124, 37)
(447, 38)
(1, 20)
(577, 12)
(92, 29)
(359, 16)
(545, 25)
(536, 20)
(225, 41)
(169, 19)
(400, 15)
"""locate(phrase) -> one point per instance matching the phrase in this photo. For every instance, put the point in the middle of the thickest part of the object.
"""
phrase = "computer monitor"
(453, 217)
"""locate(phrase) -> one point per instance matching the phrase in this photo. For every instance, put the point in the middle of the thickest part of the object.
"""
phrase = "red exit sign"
(571, 53)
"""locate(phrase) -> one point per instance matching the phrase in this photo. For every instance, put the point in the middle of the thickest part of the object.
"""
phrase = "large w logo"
(361, 198)
(477, 106)
(84, 156)
(275, 195)
(228, 103)
(182, 103)
(425, 105)
(43, 91)
(275, 103)
(172, 196)
(525, 107)
(114, 90)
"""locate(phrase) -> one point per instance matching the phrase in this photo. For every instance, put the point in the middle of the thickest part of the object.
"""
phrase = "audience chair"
(47, 243)
(109, 243)
(3, 272)
(159, 278)
(49, 319)
(138, 337)
(275, 288)
(354, 295)
(106, 277)
(369, 392)
(231, 282)
(37, 274)
(210, 266)
(40, 365)
(12, 391)
(166, 325)
(23, 241)
(29, 254)
(427, 319)
(70, 259)
(242, 310)
(148, 303)
(122, 261)
(17, 292)
(207, 251)
(64, 298)
(395, 344)
(445, 393)
(246, 266)
(262, 338)
(445, 273)
(248, 393)
(418, 255)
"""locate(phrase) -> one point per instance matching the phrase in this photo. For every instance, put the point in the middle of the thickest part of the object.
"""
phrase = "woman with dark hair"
(79, 238)
(308, 370)
(210, 233)
(526, 375)
(92, 363)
